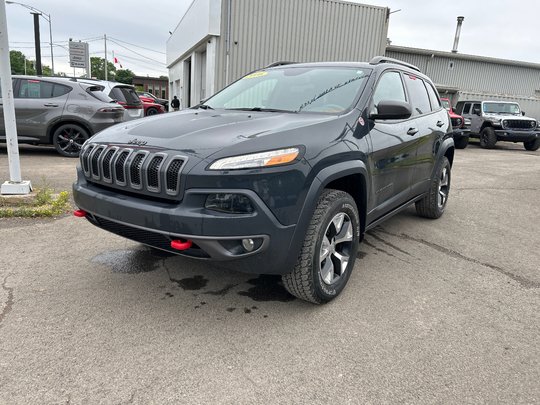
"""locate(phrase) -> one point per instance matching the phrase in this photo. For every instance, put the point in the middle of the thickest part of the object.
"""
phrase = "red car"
(460, 132)
(151, 107)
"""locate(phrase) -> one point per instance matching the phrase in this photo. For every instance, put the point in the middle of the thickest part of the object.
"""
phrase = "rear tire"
(68, 139)
(151, 111)
(433, 205)
(532, 145)
(488, 138)
(461, 143)
(329, 250)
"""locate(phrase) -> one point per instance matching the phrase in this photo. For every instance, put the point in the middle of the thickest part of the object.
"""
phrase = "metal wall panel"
(263, 32)
(474, 75)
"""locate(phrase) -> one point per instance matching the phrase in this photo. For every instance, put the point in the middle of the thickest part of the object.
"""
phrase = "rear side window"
(418, 94)
(30, 88)
(97, 92)
(467, 108)
(433, 97)
(390, 87)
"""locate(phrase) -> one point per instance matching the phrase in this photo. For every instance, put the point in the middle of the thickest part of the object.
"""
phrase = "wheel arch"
(341, 176)
(55, 125)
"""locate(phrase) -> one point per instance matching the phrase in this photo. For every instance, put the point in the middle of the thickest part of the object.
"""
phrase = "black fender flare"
(320, 181)
(446, 146)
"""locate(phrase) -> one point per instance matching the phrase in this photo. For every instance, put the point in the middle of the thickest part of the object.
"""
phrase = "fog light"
(248, 244)
(229, 203)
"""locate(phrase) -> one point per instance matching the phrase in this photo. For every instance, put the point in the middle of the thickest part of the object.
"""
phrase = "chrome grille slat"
(133, 169)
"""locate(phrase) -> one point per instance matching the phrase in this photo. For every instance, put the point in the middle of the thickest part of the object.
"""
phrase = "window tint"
(433, 97)
(390, 87)
(476, 106)
(60, 90)
(418, 94)
(30, 88)
(125, 95)
(116, 94)
(467, 108)
(97, 92)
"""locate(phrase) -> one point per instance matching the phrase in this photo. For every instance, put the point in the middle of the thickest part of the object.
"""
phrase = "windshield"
(501, 108)
(294, 89)
(445, 104)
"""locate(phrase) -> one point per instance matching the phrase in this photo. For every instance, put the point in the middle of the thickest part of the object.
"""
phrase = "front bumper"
(215, 236)
(459, 133)
(516, 135)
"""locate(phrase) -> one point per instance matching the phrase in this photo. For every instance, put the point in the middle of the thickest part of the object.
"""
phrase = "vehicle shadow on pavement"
(31, 150)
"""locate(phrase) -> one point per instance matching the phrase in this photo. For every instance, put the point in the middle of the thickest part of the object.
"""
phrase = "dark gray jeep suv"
(282, 172)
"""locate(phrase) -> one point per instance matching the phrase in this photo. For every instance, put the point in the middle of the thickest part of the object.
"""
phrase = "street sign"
(78, 54)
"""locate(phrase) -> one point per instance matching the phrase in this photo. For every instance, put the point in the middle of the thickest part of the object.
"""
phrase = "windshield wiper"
(262, 109)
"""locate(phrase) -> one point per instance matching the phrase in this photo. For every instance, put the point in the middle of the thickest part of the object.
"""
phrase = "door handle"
(50, 105)
(412, 131)
(440, 123)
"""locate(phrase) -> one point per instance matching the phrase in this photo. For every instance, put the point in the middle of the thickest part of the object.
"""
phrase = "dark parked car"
(282, 172)
(60, 112)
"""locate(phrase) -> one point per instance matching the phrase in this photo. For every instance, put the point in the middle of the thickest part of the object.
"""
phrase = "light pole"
(46, 17)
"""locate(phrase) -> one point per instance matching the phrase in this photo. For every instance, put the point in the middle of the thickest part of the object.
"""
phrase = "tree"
(18, 60)
(124, 76)
(97, 66)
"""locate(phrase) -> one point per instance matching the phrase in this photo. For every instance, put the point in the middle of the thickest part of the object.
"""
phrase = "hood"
(517, 117)
(202, 133)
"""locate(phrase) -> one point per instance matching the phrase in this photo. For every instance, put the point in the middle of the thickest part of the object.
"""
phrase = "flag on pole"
(116, 61)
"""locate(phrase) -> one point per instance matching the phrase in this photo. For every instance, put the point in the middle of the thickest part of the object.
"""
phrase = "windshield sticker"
(255, 75)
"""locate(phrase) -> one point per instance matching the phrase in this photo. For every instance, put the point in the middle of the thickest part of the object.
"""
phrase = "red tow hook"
(179, 244)
(80, 213)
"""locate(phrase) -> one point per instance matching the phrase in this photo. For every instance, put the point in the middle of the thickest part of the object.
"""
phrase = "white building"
(218, 41)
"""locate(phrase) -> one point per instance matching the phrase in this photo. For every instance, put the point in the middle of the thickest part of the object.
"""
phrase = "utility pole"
(51, 43)
(37, 40)
(15, 185)
(105, 38)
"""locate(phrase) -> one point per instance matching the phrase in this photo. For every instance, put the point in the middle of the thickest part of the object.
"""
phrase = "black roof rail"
(279, 63)
(383, 59)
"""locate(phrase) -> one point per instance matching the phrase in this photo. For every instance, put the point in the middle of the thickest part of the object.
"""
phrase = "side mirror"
(523, 113)
(392, 110)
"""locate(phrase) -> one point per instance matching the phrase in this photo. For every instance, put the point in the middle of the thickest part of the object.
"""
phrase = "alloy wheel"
(335, 250)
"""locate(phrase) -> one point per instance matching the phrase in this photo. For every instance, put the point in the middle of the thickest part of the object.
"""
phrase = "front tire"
(433, 205)
(151, 111)
(532, 145)
(488, 138)
(68, 139)
(461, 143)
(329, 250)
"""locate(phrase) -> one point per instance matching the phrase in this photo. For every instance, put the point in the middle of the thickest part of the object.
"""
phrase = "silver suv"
(493, 121)
(60, 112)
(123, 94)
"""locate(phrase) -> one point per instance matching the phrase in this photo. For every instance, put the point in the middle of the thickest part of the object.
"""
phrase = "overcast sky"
(497, 28)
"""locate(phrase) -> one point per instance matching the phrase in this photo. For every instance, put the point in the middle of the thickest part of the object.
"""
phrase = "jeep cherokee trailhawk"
(282, 172)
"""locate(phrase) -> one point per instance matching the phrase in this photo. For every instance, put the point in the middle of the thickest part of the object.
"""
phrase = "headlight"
(263, 159)
(458, 122)
(504, 123)
(533, 124)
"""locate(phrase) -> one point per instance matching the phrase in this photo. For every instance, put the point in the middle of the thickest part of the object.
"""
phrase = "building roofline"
(478, 58)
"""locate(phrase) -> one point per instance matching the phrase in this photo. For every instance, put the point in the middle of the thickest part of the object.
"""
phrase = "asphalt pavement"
(443, 311)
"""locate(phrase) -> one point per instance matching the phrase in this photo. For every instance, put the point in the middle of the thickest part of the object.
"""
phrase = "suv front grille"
(519, 124)
(133, 170)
